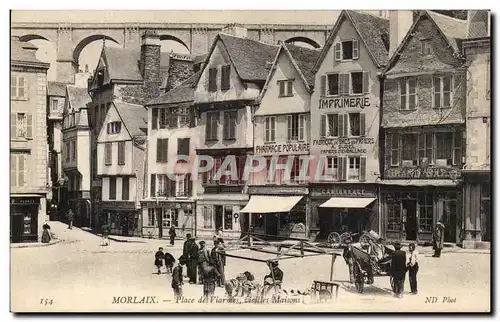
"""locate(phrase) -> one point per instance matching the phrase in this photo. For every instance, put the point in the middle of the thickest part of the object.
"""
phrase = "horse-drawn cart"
(367, 259)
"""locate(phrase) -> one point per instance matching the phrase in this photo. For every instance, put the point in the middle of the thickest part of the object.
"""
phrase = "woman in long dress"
(46, 234)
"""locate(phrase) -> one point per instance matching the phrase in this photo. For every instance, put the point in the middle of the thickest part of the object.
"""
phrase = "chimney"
(400, 21)
(149, 63)
(236, 30)
(478, 23)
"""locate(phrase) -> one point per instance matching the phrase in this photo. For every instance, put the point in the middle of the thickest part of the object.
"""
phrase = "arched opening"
(303, 42)
(46, 52)
(171, 43)
(87, 52)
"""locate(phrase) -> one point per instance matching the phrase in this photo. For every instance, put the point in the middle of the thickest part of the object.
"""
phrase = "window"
(125, 188)
(163, 119)
(225, 79)
(151, 217)
(184, 116)
(211, 129)
(408, 94)
(165, 187)
(100, 77)
(230, 119)
(18, 87)
(68, 151)
(332, 167)
(409, 149)
(108, 153)
(394, 216)
(354, 124)
(333, 84)
(457, 148)
(425, 148)
(228, 217)
(55, 106)
(73, 150)
(354, 168)
(444, 146)
(286, 88)
(208, 217)
(169, 217)
(183, 146)
(296, 123)
(333, 125)
(443, 91)
(258, 221)
(425, 46)
(169, 119)
(114, 127)
(425, 218)
(21, 125)
(270, 129)
(212, 79)
(161, 150)
(346, 50)
(121, 153)
(17, 169)
(356, 82)
(112, 188)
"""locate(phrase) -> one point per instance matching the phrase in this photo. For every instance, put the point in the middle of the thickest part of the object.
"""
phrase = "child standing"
(413, 268)
(159, 256)
(169, 262)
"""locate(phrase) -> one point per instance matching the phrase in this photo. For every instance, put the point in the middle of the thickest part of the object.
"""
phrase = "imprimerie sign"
(341, 102)
(282, 148)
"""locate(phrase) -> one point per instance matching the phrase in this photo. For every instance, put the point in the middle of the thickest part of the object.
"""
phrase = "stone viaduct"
(71, 39)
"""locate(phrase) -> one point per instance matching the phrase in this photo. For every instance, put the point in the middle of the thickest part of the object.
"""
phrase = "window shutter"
(29, 125)
(362, 169)
(388, 150)
(346, 123)
(341, 125)
(158, 149)
(153, 185)
(342, 171)
(165, 150)
(282, 88)
(355, 49)
(25, 80)
(301, 126)
(20, 170)
(289, 122)
(337, 51)
(212, 79)
(225, 72)
(323, 85)
(273, 128)
(289, 88)
(154, 120)
(366, 82)
(13, 125)
(341, 84)
(362, 124)
(322, 129)
(188, 184)
(13, 170)
(339, 167)
(172, 186)
(345, 83)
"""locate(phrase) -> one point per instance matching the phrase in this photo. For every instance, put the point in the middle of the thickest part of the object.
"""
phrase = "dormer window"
(55, 105)
(286, 88)
(347, 50)
(100, 77)
(426, 47)
(114, 127)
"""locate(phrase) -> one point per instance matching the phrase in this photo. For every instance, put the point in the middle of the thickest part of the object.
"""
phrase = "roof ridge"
(246, 38)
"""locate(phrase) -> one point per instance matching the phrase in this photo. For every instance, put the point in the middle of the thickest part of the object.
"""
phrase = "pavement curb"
(37, 244)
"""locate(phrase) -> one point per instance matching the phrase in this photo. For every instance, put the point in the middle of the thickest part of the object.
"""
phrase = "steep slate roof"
(78, 97)
(134, 117)
(373, 31)
(248, 56)
(305, 59)
(123, 63)
(23, 51)
(182, 93)
(56, 89)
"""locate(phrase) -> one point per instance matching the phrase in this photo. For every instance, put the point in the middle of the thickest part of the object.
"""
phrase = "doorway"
(219, 214)
(410, 218)
(16, 228)
(271, 225)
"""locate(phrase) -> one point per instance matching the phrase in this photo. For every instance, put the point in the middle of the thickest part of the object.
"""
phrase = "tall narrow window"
(73, 150)
(444, 148)
(354, 168)
(230, 119)
(394, 138)
(212, 79)
(333, 84)
(333, 125)
(457, 148)
(443, 93)
(121, 153)
(17, 169)
(183, 147)
(293, 127)
(332, 167)
(270, 129)
(107, 153)
(19, 87)
(354, 124)
(225, 82)
(125, 188)
(286, 88)
(211, 127)
(112, 188)
(408, 93)
(161, 150)
(409, 147)
(356, 82)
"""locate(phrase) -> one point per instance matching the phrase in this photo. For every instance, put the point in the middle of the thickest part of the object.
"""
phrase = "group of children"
(166, 258)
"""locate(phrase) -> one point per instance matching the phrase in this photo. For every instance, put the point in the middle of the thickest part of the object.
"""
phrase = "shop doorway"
(449, 220)
(16, 228)
(219, 215)
(410, 218)
(271, 225)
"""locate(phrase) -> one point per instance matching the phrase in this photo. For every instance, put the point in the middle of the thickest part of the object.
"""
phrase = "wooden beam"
(243, 257)
(262, 250)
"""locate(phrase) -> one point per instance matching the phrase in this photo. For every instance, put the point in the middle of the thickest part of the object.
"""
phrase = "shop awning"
(270, 204)
(347, 202)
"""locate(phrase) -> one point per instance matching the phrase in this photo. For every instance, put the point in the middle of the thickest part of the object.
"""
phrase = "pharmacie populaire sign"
(283, 148)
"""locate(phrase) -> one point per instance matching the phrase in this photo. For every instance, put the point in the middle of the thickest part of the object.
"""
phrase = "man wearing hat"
(438, 239)
(193, 251)
(274, 278)
(398, 269)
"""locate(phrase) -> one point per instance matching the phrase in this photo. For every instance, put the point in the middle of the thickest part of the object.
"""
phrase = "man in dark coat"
(172, 234)
(398, 269)
(193, 261)
(273, 279)
(218, 260)
(177, 281)
(438, 239)
(185, 252)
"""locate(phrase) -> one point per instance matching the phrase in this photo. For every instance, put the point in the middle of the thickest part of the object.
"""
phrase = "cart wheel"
(334, 239)
(358, 278)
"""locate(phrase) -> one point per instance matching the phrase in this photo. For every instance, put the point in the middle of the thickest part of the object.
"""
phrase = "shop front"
(411, 209)
(344, 208)
(122, 217)
(26, 219)
(477, 208)
(159, 216)
(277, 212)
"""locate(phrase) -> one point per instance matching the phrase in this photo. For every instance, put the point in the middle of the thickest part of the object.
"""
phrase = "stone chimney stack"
(478, 23)
(236, 30)
(400, 21)
(149, 63)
